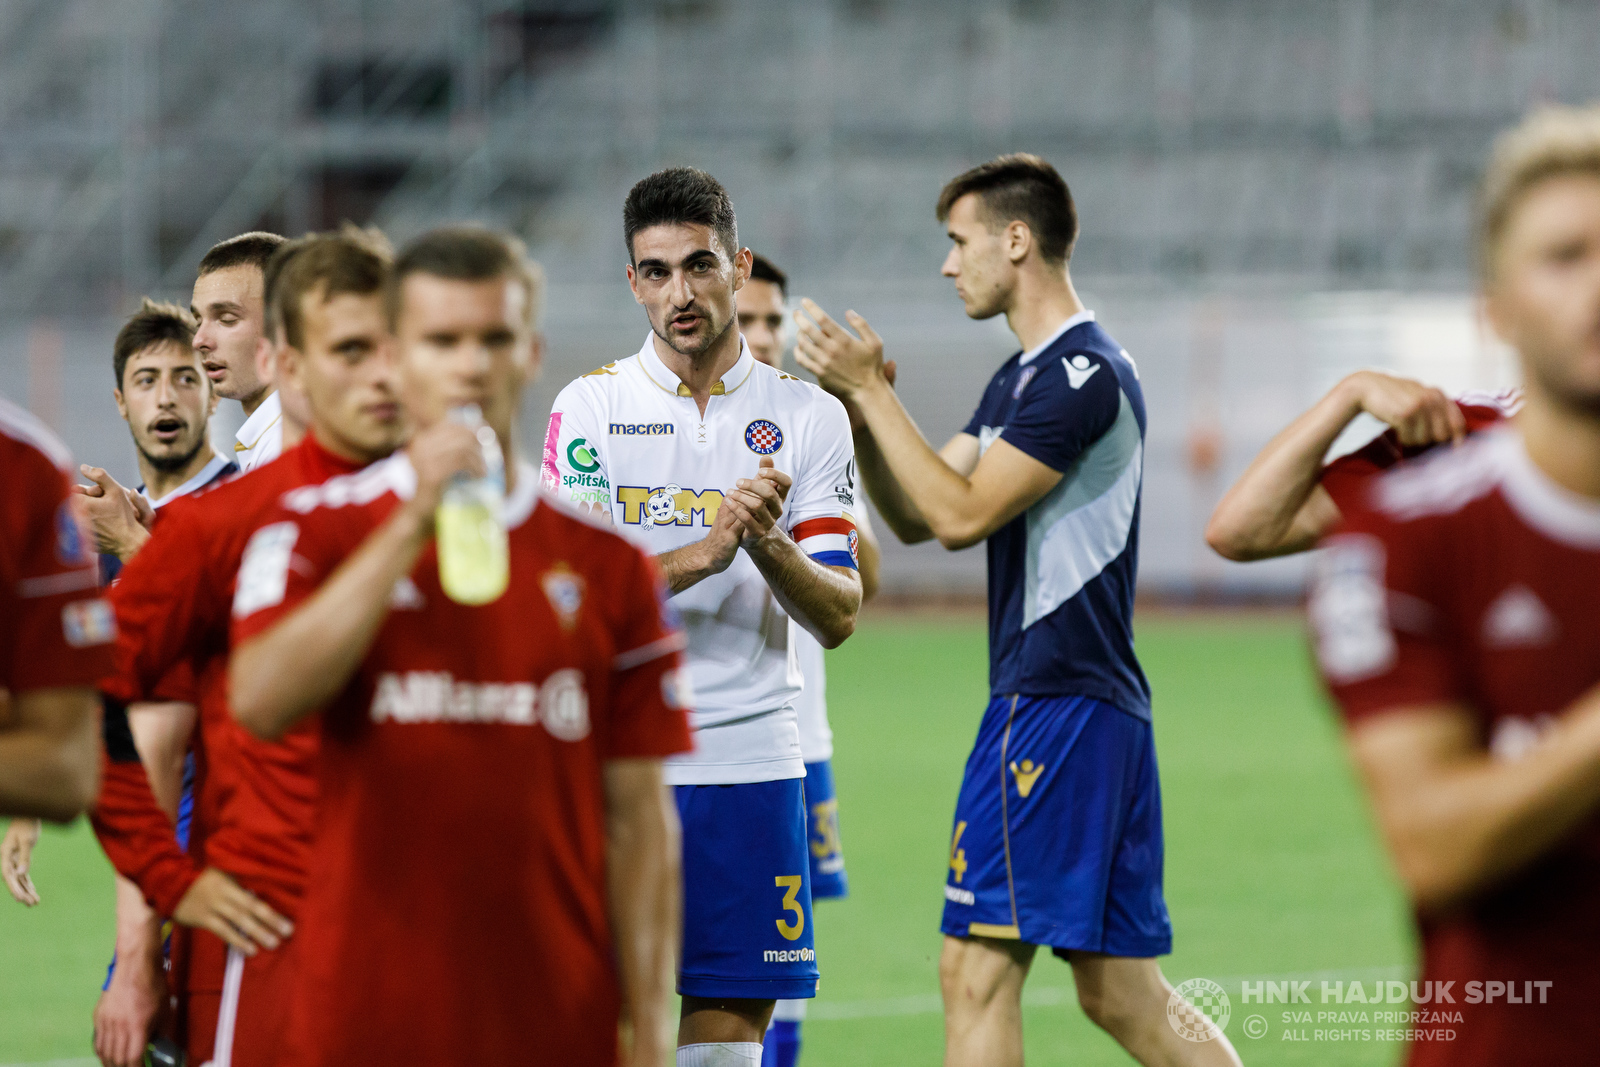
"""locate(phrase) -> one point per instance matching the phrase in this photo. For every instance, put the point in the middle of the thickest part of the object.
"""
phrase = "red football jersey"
(1470, 578)
(253, 800)
(1345, 477)
(55, 630)
(457, 906)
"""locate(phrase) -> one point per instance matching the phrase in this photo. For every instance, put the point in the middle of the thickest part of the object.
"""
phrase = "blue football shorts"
(747, 928)
(1057, 835)
(822, 823)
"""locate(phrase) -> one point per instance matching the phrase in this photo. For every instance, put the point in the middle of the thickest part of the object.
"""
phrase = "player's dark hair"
(154, 323)
(253, 248)
(1020, 187)
(762, 269)
(466, 254)
(347, 260)
(680, 195)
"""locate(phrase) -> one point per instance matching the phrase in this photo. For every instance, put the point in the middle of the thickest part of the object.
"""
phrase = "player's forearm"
(869, 557)
(49, 761)
(1458, 831)
(940, 495)
(161, 734)
(642, 880)
(893, 504)
(683, 568)
(138, 927)
(1257, 516)
(283, 675)
(821, 598)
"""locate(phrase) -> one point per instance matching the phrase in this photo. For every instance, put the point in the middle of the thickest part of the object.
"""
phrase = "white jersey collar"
(1552, 509)
(256, 426)
(664, 378)
(199, 481)
(1077, 320)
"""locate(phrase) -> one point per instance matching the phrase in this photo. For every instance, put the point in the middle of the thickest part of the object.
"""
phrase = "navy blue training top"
(1062, 574)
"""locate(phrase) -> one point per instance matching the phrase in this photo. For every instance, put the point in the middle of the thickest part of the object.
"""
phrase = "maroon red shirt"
(1469, 578)
(1345, 477)
(253, 800)
(457, 909)
(55, 630)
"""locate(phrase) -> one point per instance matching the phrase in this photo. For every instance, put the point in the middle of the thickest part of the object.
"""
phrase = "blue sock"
(782, 1045)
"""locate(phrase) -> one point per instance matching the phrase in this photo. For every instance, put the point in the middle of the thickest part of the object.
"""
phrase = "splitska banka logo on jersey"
(668, 505)
(561, 703)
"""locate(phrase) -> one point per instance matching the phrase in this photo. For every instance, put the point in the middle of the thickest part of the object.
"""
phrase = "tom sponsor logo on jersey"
(668, 505)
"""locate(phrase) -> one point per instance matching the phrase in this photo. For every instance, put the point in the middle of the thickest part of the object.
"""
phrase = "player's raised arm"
(959, 507)
(821, 595)
(1277, 507)
(314, 640)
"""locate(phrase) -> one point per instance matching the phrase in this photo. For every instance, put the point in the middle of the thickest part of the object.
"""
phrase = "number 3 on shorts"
(790, 884)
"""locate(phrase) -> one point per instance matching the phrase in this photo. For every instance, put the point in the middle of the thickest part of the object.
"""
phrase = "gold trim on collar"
(716, 389)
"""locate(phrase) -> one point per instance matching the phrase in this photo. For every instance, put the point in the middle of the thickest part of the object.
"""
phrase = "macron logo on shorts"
(789, 955)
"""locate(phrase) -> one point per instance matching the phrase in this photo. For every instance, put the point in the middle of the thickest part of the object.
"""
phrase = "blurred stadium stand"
(1272, 192)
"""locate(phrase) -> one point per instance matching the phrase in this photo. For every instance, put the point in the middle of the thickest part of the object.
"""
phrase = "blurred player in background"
(242, 882)
(727, 470)
(55, 630)
(229, 304)
(1454, 619)
(164, 395)
(165, 399)
(520, 738)
(1288, 499)
(762, 321)
(1057, 837)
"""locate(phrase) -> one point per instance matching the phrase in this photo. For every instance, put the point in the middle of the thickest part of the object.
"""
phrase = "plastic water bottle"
(470, 525)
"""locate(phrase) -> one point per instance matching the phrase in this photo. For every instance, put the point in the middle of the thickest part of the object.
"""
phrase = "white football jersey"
(260, 439)
(629, 437)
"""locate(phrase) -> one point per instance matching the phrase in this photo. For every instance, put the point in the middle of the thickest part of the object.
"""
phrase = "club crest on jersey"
(763, 437)
(854, 540)
(564, 590)
(1022, 381)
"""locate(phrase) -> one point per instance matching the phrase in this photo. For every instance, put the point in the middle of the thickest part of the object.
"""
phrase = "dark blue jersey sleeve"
(1070, 403)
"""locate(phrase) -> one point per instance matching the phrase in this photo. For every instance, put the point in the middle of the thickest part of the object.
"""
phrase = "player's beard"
(174, 460)
(692, 347)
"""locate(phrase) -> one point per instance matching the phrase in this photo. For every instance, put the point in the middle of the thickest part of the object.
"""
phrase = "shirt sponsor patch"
(264, 570)
(643, 429)
(87, 623)
(561, 704)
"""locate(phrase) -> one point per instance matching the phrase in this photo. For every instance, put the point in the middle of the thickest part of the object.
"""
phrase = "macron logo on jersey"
(561, 704)
(1079, 370)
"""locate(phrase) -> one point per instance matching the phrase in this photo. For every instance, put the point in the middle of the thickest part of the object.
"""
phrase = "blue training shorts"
(1057, 837)
(746, 892)
(822, 822)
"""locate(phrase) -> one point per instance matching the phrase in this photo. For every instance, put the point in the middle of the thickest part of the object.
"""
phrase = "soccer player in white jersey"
(1057, 830)
(229, 302)
(728, 470)
(761, 321)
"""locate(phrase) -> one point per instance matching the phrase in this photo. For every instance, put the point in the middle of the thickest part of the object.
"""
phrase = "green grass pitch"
(1272, 867)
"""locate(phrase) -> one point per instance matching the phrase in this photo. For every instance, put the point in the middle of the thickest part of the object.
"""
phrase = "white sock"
(721, 1054)
(789, 1011)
